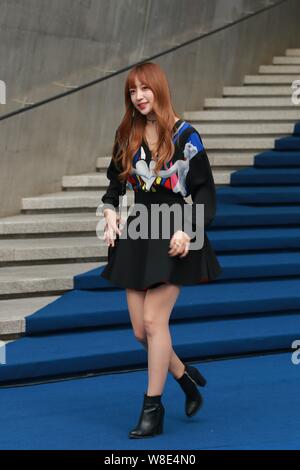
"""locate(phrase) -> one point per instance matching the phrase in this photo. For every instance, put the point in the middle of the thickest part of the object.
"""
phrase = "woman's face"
(142, 97)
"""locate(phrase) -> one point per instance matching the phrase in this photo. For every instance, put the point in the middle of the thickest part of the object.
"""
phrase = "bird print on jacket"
(177, 171)
(145, 172)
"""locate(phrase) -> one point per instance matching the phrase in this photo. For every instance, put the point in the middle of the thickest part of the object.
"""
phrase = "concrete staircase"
(53, 239)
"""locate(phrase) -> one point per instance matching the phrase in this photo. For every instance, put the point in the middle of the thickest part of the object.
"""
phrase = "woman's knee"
(140, 336)
(151, 323)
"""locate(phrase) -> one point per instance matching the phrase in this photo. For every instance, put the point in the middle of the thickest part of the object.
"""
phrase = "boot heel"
(160, 426)
(195, 375)
(200, 379)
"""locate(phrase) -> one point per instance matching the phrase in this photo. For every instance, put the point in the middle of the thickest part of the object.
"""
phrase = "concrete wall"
(48, 41)
(42, 41)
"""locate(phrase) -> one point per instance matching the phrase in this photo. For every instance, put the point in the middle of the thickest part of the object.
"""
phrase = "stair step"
(297, 128)
(64, 200)
(238, 215)
(231, 158)
(259, 195)
(249, 102)
(260, 265)
(279, 69)
(292, 52)
(22, 280)
(85, 180)
(268, 176)
(257, 91)
(286, 60)
(238, 143)
(276, 158)
(269, 79)
(245, 129)
(102, 163)
(14, 311)
(288, 143)
(29, 224)
(42, 249)
(222, 177)
(253, 239)
(69, 353)
(243, 115)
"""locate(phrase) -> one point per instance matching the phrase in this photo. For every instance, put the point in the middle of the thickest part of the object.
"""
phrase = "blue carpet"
(260, 176)
(249, 403)
(275, 158)
(258, 195)
(285, 155)
(288, 143)
(250, 239)
(230, 215)
(72, 352)
(297, 128)
(79, 309)
(234, 266)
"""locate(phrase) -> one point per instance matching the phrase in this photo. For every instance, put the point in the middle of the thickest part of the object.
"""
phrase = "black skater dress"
(143, 263)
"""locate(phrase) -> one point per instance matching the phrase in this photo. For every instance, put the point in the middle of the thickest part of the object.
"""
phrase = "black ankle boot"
(151, 418)
(188, 382)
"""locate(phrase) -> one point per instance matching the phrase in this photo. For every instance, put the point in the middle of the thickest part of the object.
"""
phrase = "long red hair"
(130, 132)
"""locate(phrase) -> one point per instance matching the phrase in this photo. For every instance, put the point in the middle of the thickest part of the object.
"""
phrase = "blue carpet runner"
(253, 307)
(249, 403)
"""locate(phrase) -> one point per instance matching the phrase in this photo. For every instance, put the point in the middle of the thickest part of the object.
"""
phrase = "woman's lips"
(142, 106)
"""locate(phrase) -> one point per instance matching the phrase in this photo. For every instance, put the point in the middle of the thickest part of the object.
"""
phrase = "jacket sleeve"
(115, 189)
(199, 184)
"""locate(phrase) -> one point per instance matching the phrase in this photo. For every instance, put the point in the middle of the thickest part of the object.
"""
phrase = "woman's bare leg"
(135, 300)
(158, 306)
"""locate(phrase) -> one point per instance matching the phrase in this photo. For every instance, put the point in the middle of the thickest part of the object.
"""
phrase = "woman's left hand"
(179, 244)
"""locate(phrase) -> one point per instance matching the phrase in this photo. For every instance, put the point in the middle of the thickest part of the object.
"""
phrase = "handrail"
(128, 67)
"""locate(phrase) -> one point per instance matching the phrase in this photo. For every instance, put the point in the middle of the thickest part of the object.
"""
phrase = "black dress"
(142, 263)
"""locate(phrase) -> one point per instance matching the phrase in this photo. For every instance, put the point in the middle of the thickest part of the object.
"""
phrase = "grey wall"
(42, 41)
(49, 41)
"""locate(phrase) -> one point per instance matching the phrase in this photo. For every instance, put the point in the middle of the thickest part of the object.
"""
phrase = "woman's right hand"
(112, 220)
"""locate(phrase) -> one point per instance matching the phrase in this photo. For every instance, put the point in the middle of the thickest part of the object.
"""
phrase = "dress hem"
(203, 280)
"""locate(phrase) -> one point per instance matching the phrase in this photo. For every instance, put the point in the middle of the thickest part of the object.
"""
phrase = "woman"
(162, 158)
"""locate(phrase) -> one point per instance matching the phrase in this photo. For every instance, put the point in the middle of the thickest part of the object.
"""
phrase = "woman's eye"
(143, 88)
